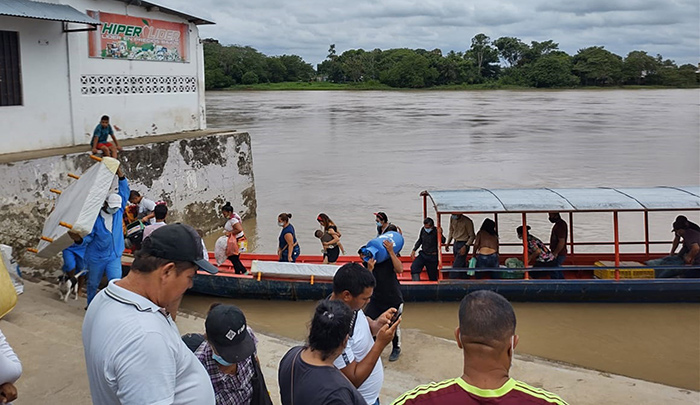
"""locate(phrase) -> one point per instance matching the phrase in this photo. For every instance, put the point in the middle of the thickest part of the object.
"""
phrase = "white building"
(66, 63)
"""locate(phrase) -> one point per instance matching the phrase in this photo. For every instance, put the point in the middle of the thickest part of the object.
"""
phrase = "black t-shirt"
(323, 385)
(388, 289)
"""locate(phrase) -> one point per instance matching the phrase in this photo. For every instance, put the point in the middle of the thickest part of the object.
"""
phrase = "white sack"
(12, 268)
(294, 270)
(78, 205)
(220, 250)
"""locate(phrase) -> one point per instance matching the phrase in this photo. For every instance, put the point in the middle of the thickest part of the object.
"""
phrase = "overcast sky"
(306, 28)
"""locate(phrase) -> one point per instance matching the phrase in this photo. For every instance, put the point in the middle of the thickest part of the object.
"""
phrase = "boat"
(589, 277)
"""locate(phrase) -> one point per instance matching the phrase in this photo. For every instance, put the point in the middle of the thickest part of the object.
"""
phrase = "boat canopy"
(607, 199)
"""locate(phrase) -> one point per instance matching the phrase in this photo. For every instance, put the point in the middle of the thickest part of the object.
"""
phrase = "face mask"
(281, 224)
(428, 230)
(454, 216)
(220, 360)
(512, 344)
(111, 210)
(379, 223)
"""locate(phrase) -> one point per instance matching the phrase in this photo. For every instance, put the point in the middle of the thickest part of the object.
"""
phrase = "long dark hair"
(489, 227)
(329, 327)
(325, 221)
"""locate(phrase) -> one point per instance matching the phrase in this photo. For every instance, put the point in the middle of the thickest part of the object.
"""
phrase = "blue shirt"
(101, 244)
(102, 134)
(287, 229)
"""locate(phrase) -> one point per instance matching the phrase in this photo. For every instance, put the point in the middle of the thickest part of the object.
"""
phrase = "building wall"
(195, 176)
(64, 97)
(44, 119)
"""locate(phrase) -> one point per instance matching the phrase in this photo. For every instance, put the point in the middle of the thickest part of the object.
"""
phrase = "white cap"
(114, 200)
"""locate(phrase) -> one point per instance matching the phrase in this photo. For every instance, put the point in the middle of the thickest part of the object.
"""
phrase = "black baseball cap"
(179, 243)
(227, 332)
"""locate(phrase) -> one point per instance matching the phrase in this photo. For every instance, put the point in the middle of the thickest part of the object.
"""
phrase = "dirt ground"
(46, 334)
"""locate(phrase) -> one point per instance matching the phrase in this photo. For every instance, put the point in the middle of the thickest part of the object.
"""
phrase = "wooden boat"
(617, 282)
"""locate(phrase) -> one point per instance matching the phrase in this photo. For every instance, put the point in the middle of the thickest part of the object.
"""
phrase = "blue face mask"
(428, 230)
(454, 216)
(379, 223)
(220, 360)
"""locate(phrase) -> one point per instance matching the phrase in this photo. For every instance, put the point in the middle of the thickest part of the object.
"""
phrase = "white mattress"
(294, 270)
(78, 205)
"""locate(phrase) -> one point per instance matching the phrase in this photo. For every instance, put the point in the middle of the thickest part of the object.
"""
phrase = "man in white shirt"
(10, 371)
(160, 212)
(353, 284)
(146, 207)
(133, 350)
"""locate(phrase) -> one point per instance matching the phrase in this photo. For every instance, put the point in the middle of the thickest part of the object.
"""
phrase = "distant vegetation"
(505, 62)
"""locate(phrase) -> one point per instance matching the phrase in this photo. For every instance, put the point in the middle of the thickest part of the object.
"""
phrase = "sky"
(306, 28)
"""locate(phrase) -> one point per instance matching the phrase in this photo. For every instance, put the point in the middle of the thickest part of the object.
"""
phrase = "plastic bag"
(220, 250)
(12, 268)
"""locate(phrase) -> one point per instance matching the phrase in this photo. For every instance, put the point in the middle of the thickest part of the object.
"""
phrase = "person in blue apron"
(288, 249)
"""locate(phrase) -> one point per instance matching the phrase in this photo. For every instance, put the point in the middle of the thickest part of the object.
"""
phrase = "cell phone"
(396, 316)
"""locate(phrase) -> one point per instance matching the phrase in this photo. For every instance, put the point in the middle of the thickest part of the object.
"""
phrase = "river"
(350, 154)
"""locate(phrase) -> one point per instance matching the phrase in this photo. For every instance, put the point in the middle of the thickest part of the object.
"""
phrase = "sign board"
(135, 38)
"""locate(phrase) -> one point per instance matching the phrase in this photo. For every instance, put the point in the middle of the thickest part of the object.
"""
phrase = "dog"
(68, 284)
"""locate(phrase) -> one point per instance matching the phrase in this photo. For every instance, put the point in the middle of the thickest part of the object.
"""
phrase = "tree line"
(504, 61)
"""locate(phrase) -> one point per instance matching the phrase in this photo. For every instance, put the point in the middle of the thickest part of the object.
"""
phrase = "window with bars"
(10, 73)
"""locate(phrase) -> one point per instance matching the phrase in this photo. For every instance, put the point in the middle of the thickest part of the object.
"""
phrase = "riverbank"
(373, 85)
(46, 335)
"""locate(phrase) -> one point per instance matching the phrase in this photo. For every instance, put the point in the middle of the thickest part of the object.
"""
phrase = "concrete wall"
(64, 97)
(196, 176)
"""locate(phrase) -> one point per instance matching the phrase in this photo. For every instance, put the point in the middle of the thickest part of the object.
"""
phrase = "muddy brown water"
(350, 154)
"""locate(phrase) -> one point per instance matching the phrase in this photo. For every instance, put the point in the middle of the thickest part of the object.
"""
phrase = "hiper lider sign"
(135, 38)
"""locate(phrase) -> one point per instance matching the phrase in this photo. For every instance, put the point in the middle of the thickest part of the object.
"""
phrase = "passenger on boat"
(387, 294)
(557, 241)
(682, 219)
(104, 245)
(234, 229)
(428, 256)
(361, 360)
(486, 335)
(538, 254)
(331, 247)
(306, 373)
(462, 232)
(160, 212)
(145, 205)
(288, 249)
(688, 255)
(383, 224)
(486, 245)
(229, 355)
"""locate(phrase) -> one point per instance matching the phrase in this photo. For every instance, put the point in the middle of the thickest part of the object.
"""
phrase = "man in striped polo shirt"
(486, 335)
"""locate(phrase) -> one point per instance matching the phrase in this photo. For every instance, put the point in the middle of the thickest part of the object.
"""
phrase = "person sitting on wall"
(100, 139)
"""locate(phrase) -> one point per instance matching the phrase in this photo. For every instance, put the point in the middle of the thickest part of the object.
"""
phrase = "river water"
(350, 154)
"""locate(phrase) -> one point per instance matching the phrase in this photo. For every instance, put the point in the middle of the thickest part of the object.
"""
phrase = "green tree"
(484, 55)
(553, 70)
(510, 49)
(637, 66)
(250, 78)
(277, 72)
(408, 69)
(597, 66)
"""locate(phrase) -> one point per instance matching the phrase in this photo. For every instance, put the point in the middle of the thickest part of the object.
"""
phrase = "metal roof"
(157, 7)
(44, 11)
(566, 199)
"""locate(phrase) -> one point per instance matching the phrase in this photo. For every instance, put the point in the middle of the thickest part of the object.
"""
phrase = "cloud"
(669, 27)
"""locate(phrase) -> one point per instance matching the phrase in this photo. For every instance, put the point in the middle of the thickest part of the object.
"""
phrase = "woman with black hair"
(288, 248)
(234, 229)
(332, 247)
(486, 245)
(307, 374)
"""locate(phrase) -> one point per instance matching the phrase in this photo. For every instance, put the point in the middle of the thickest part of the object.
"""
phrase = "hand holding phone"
(397, 315)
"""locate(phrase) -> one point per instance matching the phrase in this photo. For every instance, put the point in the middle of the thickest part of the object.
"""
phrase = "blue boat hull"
(642, 290)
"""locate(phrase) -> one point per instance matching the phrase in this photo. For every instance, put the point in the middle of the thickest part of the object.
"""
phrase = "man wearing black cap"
(228, 355)
(688, 255)
(133, 349)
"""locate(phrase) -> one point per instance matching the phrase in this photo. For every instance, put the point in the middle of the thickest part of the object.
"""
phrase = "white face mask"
(512, 345)
(280, 224)
(112, 210)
